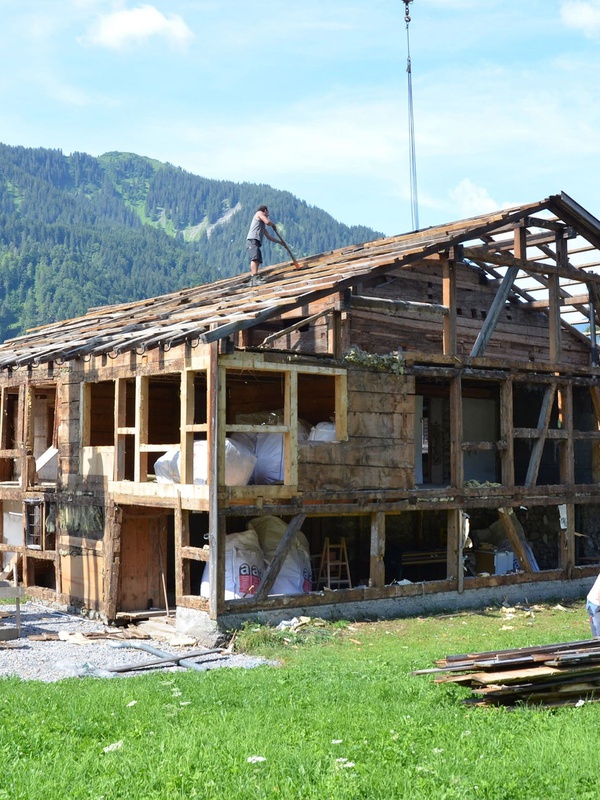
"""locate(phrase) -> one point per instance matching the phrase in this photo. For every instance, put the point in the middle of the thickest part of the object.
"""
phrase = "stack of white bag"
(248, 553)
(239, 464)
(295, 575)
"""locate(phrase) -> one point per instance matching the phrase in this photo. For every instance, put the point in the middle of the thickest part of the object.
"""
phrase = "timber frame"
(459, 364)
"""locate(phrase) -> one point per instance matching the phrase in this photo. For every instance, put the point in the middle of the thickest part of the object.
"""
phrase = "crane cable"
(414, 202)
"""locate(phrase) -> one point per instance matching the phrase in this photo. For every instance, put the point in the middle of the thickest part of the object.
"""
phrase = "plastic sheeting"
(239, 464)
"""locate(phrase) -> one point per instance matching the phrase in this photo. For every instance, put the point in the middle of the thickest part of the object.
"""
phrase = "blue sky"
(311, 96)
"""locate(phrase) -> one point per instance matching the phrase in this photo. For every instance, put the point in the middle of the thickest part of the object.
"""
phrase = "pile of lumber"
(564, 674)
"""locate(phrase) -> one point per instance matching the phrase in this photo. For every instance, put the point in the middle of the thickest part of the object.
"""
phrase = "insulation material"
(267, 447)
(295, 575)
(322, 432)
(239, 464)
(244, 566)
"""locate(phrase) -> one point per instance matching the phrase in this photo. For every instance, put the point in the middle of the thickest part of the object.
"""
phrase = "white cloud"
(584, 16)
(135, 26)
(470, 200)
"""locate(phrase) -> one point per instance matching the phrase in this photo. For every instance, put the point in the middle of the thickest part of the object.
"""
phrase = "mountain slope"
(78, 231)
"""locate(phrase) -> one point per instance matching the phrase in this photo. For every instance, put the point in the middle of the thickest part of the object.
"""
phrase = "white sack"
(322, 432)
(239, 464)
(244, 566)
(295, 575)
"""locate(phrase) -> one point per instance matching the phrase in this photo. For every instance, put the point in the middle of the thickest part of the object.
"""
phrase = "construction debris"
(563, 674)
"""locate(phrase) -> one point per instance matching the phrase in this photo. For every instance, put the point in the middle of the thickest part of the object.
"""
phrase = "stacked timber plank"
(564, 674)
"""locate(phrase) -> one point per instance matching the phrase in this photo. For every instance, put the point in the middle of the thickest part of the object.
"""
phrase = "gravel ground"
(57, 659)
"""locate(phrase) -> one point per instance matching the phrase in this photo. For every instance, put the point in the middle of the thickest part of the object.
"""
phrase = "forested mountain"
(78, 231)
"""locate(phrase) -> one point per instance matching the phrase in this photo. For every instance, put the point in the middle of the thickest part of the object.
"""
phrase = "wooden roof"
(215, 310)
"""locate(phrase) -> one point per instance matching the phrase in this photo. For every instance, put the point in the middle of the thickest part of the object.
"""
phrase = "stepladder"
(334, 568)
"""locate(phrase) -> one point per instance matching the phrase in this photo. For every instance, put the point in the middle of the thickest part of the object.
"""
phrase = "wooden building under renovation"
(410, 416)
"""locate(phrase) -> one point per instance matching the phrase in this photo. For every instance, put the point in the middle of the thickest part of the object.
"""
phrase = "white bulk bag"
(322, 432)
(239, 464)
(244, 566)
(295, 575)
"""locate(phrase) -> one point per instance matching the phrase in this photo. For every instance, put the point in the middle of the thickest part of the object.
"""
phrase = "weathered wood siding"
(379, 452)
(520, 335)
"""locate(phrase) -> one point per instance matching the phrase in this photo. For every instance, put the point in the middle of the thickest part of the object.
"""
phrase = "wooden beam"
(282, 552)
(478, 255)
(396, 308)
(141, 428)
(377, 556)
(562, 260)
(501, 297)
(456, 433)
(507, 455)
(216, 523)
(290, 437)
(449, 301)
(112, 558)
(566, 555)
(186, 419)
(538, 447)
(300, 324)
(453, 546)
(516, 537)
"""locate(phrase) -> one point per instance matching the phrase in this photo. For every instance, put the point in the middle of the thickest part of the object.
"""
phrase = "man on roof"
(258, 229)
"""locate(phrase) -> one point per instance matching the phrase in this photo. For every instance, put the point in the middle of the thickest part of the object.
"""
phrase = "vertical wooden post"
(112, 558)
(186, 437)
(141, 428)
(334, 334)
(182, 539)
(566, 554)
(341, 407)
(120, 420)
(567, 477)
(216, 477)
(454, 548)
(377, 565)
(449, 300)
(562, 260)
(507, 454)
(456, 433)
(290, 419)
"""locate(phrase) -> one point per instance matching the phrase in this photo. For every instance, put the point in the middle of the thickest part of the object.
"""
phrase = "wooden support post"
(554, 295)
(290, 420)
(341, 407)
(283, 549)
(377, 566)
(112, 559)
(567, 450)
(453, 545)
(334, 332)
(566, 553)
(216, 474)
(186, 436)
(449, 300)
(456, 433)
(141, 429)
(182, 539)
(542, 427)
(120, 422)
(516, 537)
(507, 454)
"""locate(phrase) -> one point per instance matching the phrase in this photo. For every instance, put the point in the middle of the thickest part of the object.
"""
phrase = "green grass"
(342, 691)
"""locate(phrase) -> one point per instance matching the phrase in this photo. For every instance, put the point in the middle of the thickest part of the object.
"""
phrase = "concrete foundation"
(442, 603)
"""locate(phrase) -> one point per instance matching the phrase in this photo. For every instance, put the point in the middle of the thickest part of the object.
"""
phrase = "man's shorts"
(255, 252)
(594, 612)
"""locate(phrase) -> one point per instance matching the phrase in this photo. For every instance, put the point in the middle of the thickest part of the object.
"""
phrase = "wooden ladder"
(334, 569)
